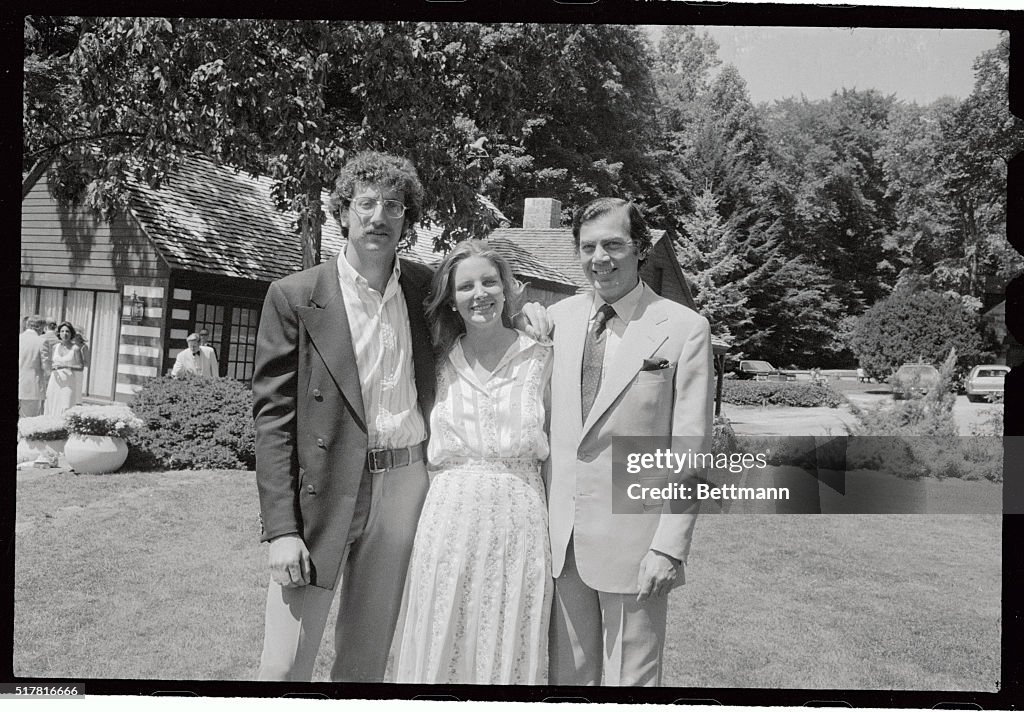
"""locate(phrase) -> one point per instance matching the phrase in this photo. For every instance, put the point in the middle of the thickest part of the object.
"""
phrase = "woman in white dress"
(478, 594)
(65, 386)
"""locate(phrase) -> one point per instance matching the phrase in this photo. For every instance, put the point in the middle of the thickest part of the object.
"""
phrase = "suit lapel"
(422, 351)
(639, 341)
(573, 340)
(326, 322)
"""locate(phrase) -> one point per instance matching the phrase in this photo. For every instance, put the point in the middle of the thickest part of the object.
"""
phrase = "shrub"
(911, 325)
(723, 436)
(42, 428)
(797, 394)
(919, 438)
(929, 415)
(194, 424)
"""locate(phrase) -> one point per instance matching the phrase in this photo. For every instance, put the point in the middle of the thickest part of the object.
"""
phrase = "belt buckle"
(375, 466)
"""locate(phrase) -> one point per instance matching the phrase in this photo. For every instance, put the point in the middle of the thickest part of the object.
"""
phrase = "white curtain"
(103, 344)
(27, 305)
(78, 310)
(51, 304)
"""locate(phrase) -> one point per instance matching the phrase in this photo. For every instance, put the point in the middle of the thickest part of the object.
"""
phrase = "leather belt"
(383, 460)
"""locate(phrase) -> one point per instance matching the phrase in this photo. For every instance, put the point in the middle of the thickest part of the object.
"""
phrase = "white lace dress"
(478, 594)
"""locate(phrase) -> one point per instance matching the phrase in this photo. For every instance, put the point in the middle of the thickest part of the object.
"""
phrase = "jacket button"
(316, 393)
(319, 442)
(310, 489)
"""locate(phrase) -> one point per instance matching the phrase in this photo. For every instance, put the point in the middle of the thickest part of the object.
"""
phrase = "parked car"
(761, 371)
(985, 381)
(912, 380)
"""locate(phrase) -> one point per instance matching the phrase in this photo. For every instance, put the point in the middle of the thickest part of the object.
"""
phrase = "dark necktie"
(593, 358)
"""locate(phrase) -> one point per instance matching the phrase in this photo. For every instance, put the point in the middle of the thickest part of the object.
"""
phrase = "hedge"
(797, 394)
(193, 424)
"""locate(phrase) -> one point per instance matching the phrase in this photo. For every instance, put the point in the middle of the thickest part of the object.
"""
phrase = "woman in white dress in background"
(65, 386)
(478, 594)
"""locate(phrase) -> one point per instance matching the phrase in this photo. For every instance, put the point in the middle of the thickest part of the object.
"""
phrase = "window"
(97, 316)
(232, 330)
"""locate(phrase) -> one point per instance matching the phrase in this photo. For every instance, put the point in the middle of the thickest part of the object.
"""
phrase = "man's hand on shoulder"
(289, 561)
(535, 321)
(657, 573)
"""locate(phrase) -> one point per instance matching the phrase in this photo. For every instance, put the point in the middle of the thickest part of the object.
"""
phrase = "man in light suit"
(206, 348)
(50, 339)
(194, 361)
(343, 380)
(626, 362)
(31, 372)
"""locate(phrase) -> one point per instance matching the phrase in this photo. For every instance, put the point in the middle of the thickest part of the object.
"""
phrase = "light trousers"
(597, 635)
(372, 577)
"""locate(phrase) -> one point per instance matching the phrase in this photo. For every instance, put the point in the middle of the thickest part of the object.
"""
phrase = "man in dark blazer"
(343, 384)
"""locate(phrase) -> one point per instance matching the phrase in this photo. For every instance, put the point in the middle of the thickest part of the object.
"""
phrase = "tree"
(708, 254)
(945, 165)
(586, 126)
(831, 191)
(914, 324)
(979, 139)
(924, 236)
(289, 99)
(49, 87)
(285, 99)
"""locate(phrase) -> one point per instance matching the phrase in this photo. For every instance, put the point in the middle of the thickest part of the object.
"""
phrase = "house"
(201, 251)
(542, 236)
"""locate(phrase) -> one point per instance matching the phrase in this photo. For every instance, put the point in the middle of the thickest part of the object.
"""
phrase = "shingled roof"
(524, 265)
(211, 218)
(554, 247)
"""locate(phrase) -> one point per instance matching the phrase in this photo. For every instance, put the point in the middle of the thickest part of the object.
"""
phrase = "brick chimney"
(540, 213)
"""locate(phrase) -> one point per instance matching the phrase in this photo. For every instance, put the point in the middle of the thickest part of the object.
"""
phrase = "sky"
(917, 65)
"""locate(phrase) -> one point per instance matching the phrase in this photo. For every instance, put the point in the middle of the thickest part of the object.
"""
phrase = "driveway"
(781, 420)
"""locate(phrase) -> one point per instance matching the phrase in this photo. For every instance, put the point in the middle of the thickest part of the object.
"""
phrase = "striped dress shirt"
(501, 418)
(383, 346)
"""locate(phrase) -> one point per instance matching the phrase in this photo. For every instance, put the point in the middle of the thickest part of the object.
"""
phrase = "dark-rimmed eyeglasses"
(368, 206)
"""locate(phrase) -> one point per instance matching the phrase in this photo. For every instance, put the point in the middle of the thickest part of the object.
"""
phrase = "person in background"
(81, 343)
(66, 370)
(206, 348)
(49, 341)
(193, 361)
(31, 378)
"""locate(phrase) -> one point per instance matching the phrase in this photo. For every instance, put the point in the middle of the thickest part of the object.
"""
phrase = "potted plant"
(97, 434)
(41, 439)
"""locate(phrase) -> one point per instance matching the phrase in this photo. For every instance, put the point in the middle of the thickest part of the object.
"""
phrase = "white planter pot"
(95, 454)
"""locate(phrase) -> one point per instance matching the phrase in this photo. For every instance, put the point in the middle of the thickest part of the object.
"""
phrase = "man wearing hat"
(194, 361)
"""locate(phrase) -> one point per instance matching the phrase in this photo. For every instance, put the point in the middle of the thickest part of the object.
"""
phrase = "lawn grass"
(161, 576)
(902, 602)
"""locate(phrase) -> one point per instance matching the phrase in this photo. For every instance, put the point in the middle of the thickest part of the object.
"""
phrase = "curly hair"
(382, 170)
(445, 324)
(638, 230)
